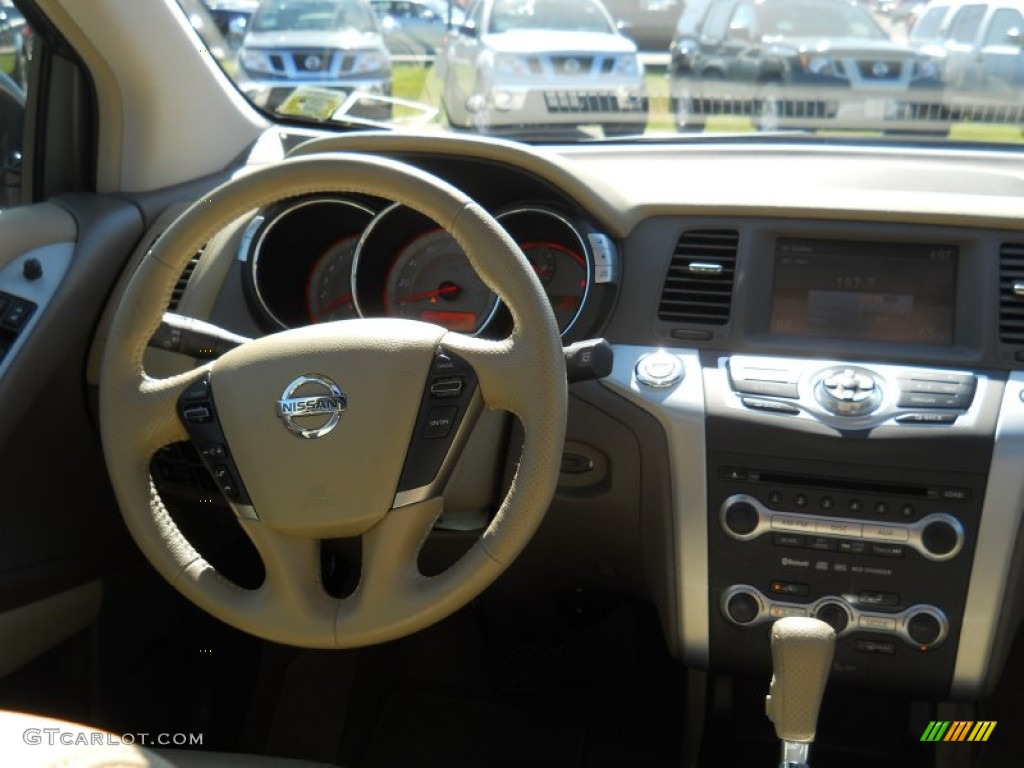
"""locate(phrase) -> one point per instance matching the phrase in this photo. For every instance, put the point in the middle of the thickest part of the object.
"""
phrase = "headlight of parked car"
(255, 61)
(627, 66)
(817, 65)
(371, 61)
(928, 70)
(511, 64)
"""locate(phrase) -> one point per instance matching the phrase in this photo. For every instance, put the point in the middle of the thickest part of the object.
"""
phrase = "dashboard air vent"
(186, 275)
(1011, 293)
(698, 287)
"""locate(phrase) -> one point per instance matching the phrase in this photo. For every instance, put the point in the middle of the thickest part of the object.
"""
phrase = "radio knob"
(741, 518)
(833, 614)
(940, 538)
(742, 608)
(924, 629)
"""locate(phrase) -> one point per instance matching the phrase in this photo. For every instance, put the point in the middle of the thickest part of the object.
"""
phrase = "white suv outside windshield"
(566, 70)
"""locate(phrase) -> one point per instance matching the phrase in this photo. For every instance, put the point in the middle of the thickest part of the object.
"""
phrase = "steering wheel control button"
(199, 415)
(440, 422)
(452, 382)
(214, 451)
(311, 406)
(197, 392)
(659, 370)
(449, 386)
(848, 391)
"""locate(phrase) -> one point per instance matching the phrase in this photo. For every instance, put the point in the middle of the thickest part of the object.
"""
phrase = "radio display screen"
(888, 292)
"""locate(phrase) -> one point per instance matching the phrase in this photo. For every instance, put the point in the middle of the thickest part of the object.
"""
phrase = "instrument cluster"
(325, 258)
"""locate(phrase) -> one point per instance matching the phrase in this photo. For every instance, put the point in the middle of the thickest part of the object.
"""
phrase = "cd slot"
(838, 484)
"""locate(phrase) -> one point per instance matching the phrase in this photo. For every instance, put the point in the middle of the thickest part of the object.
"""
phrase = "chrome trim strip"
(889, 624)
(436, 486)
(852, 529)
(705, 268)
(680, 410)
(244, 511)
(1001, 518)
(1018, 288)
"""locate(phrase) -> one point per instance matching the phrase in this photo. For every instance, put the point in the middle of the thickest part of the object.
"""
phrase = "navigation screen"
(892, 292)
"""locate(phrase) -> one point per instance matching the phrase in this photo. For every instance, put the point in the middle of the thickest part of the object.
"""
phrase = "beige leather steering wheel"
(343, 485)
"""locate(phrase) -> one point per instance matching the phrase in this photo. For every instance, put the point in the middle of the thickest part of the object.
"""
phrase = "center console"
(844, 422)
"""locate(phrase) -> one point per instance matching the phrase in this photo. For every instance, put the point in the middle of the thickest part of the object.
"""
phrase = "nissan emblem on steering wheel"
(315, 410)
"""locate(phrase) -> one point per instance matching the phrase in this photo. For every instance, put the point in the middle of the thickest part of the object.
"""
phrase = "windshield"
(867, 69)
(312, 15)
(804, 19)
(551, 15)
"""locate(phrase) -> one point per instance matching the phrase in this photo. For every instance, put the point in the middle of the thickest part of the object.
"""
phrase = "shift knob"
(801, 658)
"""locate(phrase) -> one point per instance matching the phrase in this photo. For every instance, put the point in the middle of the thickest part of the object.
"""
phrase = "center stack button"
(848, 390)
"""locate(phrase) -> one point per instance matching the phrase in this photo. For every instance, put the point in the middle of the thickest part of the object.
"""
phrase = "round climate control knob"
(926, 628)
(942, 537)
(835, 614)
(848, 390)
(741, 605)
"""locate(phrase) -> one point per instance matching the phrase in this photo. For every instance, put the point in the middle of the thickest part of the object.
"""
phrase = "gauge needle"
(444, 290)
(346, 299)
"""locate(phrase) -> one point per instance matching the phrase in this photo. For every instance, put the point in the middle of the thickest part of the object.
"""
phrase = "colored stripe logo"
(958, 730)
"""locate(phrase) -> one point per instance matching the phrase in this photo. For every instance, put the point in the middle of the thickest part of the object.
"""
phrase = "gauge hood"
(342, 38)
(533, 41)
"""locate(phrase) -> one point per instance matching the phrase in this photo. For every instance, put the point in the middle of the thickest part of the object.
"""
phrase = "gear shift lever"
(801, 658)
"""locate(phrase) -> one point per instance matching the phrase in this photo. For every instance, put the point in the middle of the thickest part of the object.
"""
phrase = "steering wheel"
(299, 490)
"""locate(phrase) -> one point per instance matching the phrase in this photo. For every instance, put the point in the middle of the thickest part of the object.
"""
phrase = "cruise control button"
(440, 422)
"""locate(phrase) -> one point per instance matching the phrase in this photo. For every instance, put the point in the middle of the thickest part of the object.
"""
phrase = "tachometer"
(329, 291)
(432, 280)
(558, 254)
(563, 273)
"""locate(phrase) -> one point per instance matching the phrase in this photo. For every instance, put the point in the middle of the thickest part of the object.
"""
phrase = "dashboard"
(817, 401)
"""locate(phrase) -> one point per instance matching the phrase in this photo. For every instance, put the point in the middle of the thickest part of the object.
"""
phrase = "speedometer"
(432, 280)
(329, 291)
